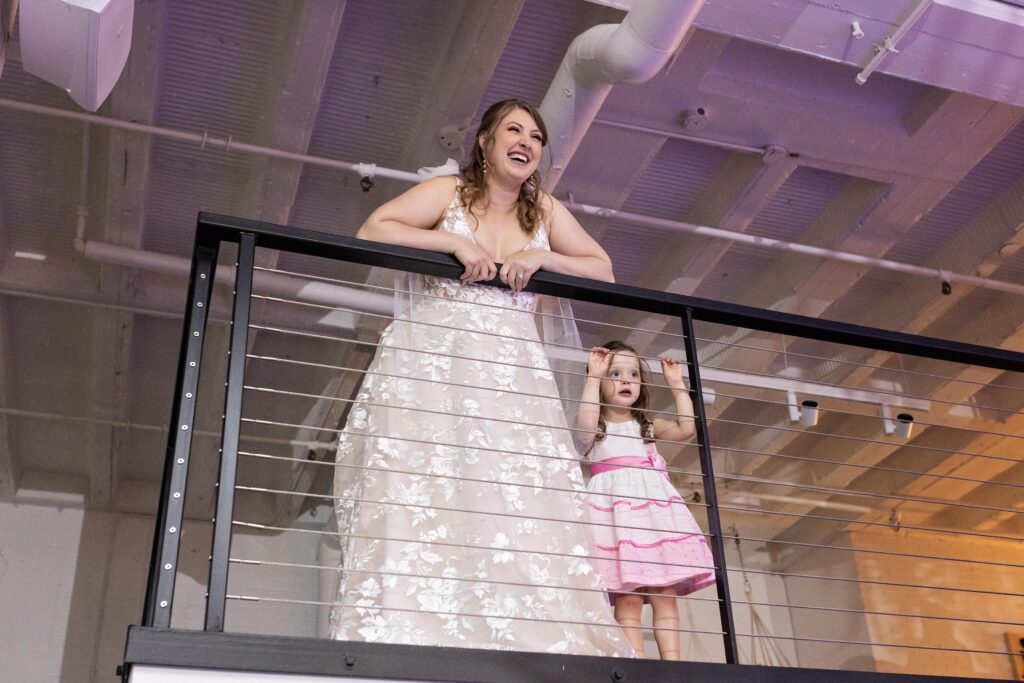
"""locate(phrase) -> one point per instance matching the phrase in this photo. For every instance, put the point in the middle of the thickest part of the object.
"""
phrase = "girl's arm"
(407, 220)
(683, 427)
(590, 410)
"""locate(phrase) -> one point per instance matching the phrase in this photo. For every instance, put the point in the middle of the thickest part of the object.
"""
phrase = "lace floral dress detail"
(460, 500)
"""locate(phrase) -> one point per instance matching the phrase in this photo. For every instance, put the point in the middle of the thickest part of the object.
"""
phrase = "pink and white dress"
(644, 535)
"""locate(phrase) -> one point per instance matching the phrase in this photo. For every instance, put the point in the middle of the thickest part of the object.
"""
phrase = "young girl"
(648, 545)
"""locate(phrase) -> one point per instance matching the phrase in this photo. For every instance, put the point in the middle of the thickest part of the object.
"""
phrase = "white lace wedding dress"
(460, 501)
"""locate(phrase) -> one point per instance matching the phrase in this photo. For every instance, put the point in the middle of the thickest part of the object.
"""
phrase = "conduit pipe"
(888, 44)
(630, 52)
(781, 245)
(205, 140)
(266, 283)
(625, 216)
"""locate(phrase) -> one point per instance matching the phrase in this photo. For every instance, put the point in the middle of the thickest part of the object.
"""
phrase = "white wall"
(72, 581)
(38, 560)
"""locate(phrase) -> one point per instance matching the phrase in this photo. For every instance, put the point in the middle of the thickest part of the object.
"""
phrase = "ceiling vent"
(80, 46)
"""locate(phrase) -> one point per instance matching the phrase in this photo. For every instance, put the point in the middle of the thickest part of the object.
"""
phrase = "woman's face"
(514, 147)
(621, 387)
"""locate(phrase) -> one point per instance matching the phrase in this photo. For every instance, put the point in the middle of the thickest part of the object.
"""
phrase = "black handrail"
(213, 228)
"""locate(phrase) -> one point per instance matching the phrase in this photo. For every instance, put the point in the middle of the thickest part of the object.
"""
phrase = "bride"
(459, 496)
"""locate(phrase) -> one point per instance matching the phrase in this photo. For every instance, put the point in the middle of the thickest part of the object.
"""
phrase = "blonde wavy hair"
(529, 209)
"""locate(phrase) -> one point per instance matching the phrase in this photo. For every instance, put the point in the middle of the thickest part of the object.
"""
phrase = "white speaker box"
(78, 45)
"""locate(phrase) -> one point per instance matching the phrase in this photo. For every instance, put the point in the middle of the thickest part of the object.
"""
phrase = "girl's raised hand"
(672, 369)
(479, 265)
(598, 362)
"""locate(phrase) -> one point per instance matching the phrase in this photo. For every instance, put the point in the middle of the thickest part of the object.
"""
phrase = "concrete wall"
(71, 582)
(937, 633)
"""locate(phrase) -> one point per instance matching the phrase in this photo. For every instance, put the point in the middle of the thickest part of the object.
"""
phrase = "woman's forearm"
(394, 232)
(593, 267)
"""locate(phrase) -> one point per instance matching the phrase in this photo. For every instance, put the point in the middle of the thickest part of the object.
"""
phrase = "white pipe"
(633, 51)
(83, 187)
(128, 424)
(888, 44)
(781, 245)
(711, 375)
(206, 140)
(713, 233)
(721, 144)
(756, 499)
(272, 284)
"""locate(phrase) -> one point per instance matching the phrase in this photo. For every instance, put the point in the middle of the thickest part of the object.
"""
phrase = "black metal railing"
(214, 231)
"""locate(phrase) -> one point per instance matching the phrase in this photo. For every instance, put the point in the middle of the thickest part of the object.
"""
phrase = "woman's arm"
(573, 251)
(683, 427)
(407, 220)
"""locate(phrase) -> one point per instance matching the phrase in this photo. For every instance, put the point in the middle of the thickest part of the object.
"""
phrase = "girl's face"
(621, 387)
(513, 148)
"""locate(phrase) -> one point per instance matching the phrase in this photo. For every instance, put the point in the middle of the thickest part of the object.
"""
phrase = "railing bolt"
(350, 661)
(618, 676)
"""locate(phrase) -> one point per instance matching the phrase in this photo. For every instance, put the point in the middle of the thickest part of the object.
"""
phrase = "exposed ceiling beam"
(999, 223)
(293, 98)
(905, 205)
(460, 80)
(128, 158)
(635, 150)
(979, 43)
(9, 469)
(876, 232)
(293, 95)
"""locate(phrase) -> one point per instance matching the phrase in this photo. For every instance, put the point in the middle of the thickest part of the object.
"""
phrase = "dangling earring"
(484, 166)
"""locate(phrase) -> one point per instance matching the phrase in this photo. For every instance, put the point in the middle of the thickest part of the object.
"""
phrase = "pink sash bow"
(652, 461)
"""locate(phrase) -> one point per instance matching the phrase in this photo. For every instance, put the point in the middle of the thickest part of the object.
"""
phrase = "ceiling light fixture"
(806, 413)
(901, 426)
(30, 255)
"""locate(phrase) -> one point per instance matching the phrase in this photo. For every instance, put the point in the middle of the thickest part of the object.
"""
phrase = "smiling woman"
(460, 499)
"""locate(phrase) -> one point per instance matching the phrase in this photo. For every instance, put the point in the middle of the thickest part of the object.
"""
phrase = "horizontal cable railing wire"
(411, 378)
(440, 508)
(452, 477)
(866, 494)
(449, 544)
(840, 362)
(878, 391)
(398, 290)
(680, 598)
(568, 622)
(361, 342)
(875, 416)
(760, 511)
(862, 439)
(833, 641)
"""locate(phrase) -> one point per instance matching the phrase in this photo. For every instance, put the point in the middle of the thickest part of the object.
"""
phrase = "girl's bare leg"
(666, 621)
(627, 613)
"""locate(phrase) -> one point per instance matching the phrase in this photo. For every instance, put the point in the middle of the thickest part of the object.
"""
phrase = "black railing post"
(163, 565)
(710, 493)
(216, 596)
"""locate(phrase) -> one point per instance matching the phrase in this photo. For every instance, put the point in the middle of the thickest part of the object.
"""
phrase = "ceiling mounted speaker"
(78, 45)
